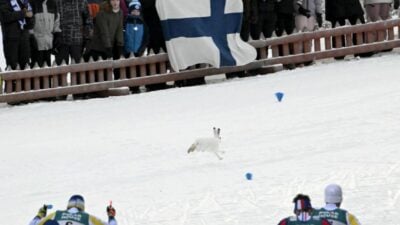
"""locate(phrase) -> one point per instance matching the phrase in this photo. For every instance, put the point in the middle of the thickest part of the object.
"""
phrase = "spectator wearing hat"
(136, 36)
(94, 8)
(332, 211)
(303, 213)
(74, 215)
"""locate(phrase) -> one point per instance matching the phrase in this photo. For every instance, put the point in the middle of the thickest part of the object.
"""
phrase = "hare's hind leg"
(219, 157)
(192, 148)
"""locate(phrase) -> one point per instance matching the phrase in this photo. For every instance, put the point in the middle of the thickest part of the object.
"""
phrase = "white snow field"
(339, 122)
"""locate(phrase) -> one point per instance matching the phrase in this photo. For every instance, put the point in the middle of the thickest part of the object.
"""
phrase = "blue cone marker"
(279, 96)
(249, 176)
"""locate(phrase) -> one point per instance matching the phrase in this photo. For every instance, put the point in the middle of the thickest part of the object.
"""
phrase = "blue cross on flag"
(204, 31)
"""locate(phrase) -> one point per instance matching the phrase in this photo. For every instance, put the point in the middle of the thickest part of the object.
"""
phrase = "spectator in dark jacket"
(264, 18)
(285, 23)
(46, 32)
(76, 25)
(108, 32)
(150, 15)
(285, 17)
(136, 31)
(16, 19)
(246, 21)
(156, 36)
(338, 11)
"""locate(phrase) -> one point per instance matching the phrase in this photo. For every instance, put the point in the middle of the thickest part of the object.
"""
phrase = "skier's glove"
(304, 12)
(319, 19)
(42, 212)
(110, 212)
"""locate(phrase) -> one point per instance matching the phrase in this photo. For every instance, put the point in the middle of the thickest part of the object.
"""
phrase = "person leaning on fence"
(108, 32)
(16, 19)
(46, 32)
(303, 213)
(136, 35)
(332, 211)
(74, 215)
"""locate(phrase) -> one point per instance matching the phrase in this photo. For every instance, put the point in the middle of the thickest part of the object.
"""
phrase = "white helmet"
(333, 194)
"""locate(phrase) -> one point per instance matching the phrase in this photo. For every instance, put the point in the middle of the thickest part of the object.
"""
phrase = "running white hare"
(208, 144)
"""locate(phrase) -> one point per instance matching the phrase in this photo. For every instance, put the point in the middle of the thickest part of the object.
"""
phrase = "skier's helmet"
(302, 203)
(333, 194)
(76, 201)
(51, 222)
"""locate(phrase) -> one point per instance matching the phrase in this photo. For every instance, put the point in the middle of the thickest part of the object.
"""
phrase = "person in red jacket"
(303, 213)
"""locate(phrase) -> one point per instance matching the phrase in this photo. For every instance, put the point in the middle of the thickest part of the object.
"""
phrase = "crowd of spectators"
(34, 30)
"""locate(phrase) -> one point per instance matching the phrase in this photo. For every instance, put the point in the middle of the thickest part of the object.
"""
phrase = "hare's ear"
(219, 132)
(216, 132)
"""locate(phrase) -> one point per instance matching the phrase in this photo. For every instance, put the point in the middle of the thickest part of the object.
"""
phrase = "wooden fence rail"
(55, 81)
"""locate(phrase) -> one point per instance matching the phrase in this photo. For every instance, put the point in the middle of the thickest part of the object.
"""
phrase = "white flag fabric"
(204, 31)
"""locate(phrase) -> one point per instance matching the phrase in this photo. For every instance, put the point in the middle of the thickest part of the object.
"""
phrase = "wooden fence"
(56, 81)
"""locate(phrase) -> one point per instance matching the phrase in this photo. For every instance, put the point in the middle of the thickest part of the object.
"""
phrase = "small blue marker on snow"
(279, 96)
(249, 176)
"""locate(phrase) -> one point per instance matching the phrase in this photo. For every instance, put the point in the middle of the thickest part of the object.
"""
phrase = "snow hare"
(209, 144)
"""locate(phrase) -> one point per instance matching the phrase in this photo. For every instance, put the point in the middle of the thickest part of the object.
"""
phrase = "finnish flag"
(204, 31)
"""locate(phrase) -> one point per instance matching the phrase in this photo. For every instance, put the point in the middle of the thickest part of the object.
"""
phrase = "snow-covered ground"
(338, 122)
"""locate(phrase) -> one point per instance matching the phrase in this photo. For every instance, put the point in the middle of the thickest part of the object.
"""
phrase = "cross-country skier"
(331, 211)
(74, 215)
(303, 213)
